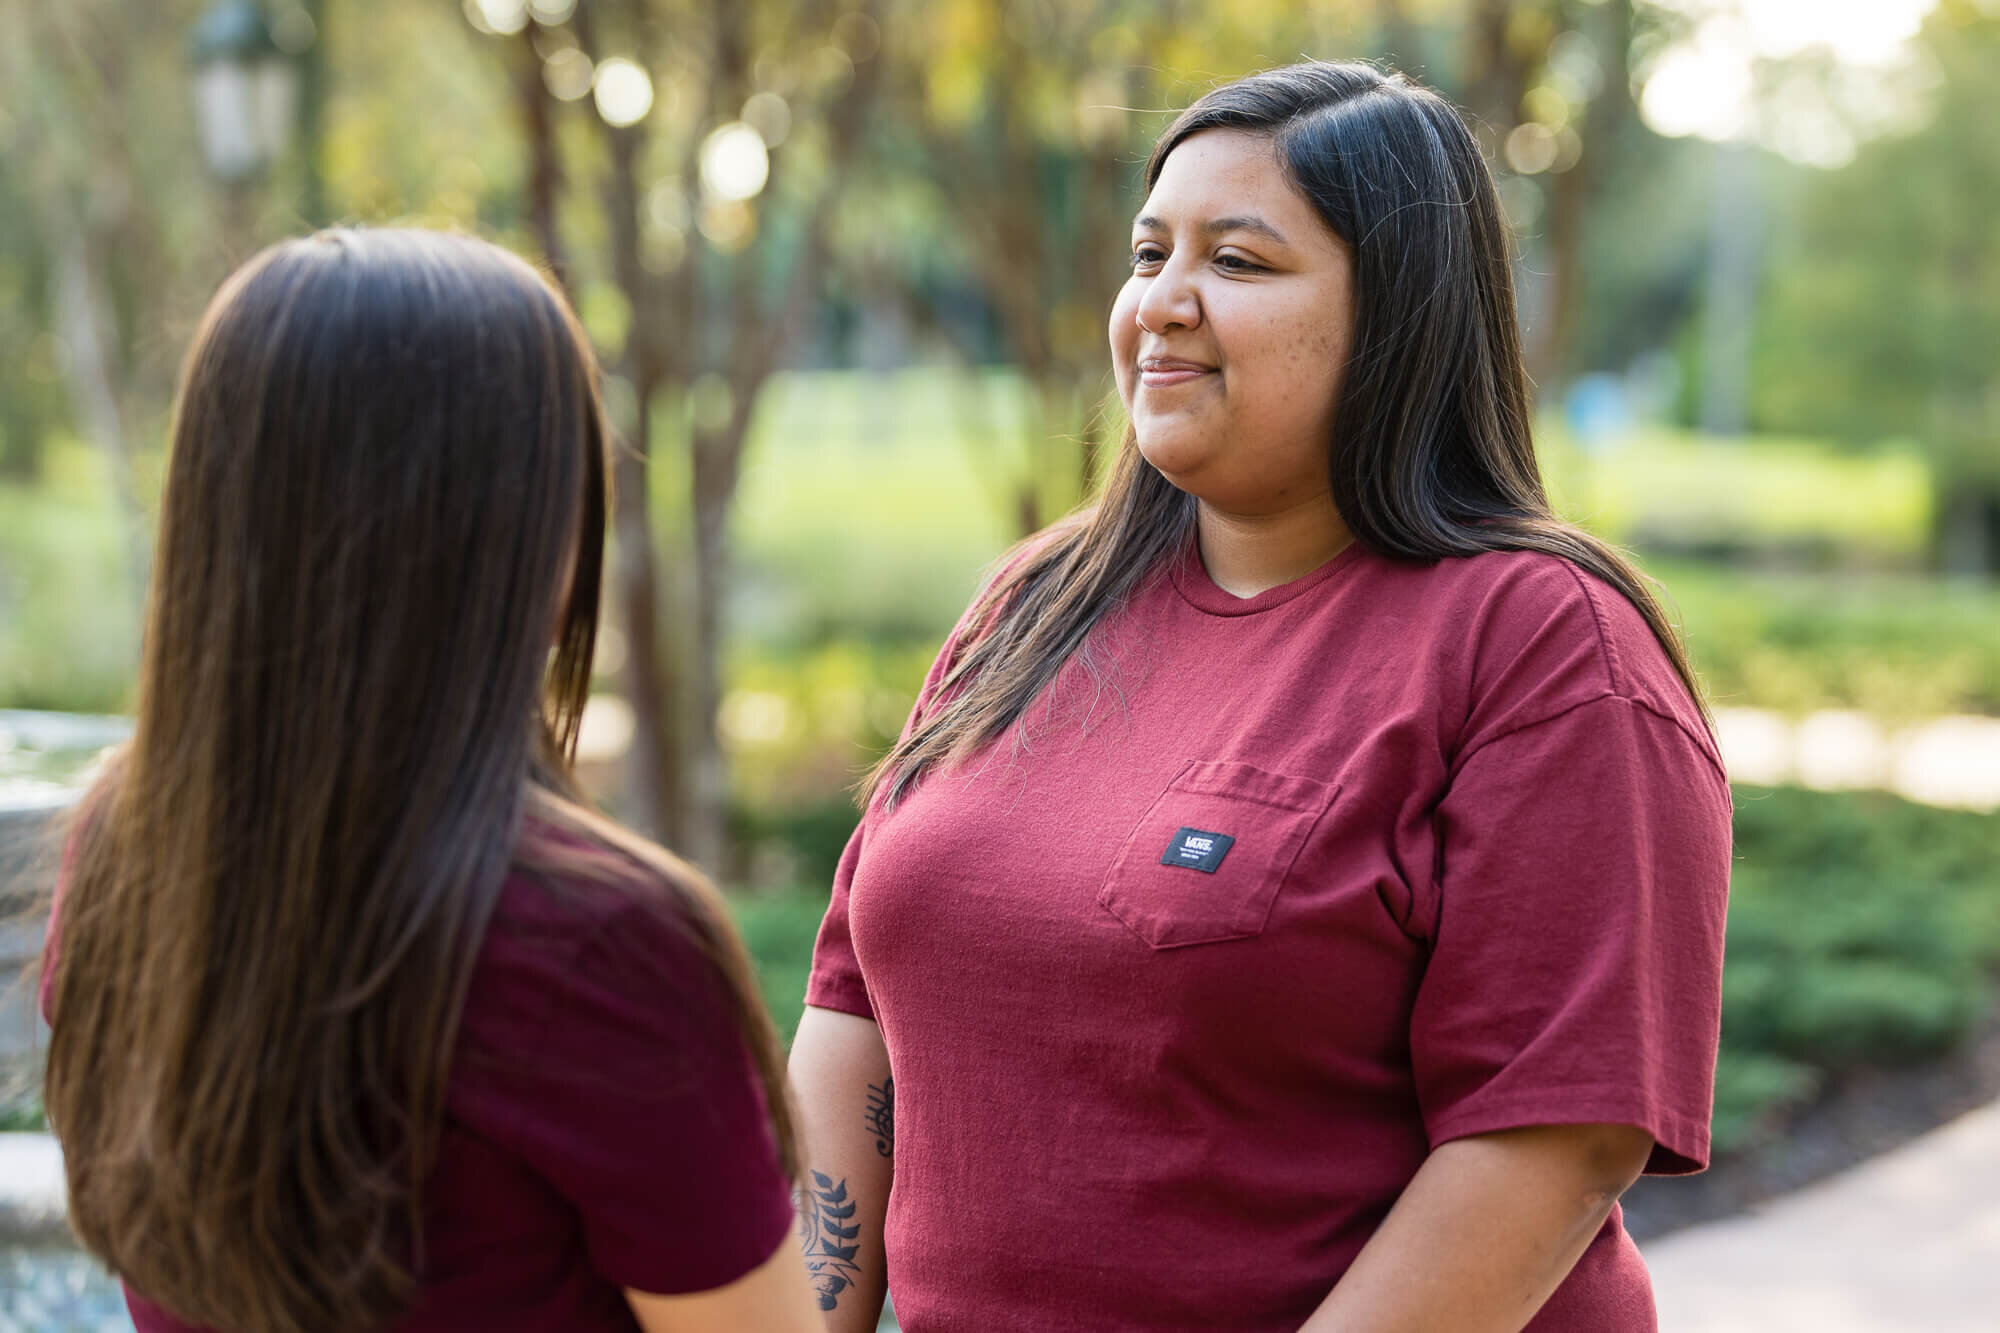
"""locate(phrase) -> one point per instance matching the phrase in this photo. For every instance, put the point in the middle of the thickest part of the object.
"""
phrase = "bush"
(1843, 1014)
(1752, 1094)
(809, 838)
(1864, 931)
(1896, 646)
(1678, 490)
(69, 607)
(779, 928)
(23, 1117)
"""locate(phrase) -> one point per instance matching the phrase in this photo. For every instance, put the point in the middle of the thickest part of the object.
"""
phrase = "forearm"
(846, 1098)
(1486, 1231)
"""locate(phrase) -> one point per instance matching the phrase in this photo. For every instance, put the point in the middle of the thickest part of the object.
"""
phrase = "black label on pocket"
(1197, 850)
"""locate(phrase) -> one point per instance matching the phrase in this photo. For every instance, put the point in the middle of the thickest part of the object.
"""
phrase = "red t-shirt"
(605, 1128)
(1183, 979)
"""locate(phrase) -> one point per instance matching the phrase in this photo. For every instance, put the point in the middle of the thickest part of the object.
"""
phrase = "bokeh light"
(734, 162)
(769, 115)
(500, 17)
(624, 91)
(568, 74)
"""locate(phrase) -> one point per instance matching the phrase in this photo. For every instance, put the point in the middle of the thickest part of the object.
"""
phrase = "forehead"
(1224, 173)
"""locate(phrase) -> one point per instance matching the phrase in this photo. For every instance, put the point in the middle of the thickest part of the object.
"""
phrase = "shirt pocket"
(1206, 860)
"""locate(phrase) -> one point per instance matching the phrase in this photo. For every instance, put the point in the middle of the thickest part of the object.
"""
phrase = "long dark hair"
(361, 686)
(1431, 455)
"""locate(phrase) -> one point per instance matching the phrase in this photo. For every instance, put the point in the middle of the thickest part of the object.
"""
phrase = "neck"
(1246, 554)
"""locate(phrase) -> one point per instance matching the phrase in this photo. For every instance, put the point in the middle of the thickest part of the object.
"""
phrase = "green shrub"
(779, 928)
(1752, 1093)
(23, 1117)
(810, 836)
(1864, 931)
(1670, 489)
(1898, 646)
(69, 606)
(1866, 1012)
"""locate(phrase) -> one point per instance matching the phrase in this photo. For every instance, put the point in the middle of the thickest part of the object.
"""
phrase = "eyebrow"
(1217, 226)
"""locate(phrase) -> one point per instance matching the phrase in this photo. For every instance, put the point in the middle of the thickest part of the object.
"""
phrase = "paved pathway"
(1953, 761)
(1908, 1242)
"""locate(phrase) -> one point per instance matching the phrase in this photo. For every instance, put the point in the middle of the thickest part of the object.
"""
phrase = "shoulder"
(1538, 636)
(590, 944)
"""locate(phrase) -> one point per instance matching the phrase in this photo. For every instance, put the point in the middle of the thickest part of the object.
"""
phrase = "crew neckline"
(1191, 580)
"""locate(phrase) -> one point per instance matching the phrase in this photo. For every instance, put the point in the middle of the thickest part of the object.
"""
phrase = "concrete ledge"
(33, 1194)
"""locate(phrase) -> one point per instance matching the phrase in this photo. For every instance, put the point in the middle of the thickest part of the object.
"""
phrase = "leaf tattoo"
(881, 1116)
(827, 1238)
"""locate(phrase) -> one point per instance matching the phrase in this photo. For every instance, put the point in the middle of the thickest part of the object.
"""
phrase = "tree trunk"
(92, 371)
(717, 467)
(649, 677)
(1573, 193)
(545, 177)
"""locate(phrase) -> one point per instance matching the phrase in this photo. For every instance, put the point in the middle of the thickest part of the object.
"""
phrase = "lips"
(1159, 372)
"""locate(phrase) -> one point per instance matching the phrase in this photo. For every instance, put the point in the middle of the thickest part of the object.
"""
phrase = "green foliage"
(869, 502)
(1864, 931)
(1900, 647)
(69, 610)
(23, 1117)
(1885, 301)
(1663, 489)
(1752, 1093)
(779, 928)
(867, 516)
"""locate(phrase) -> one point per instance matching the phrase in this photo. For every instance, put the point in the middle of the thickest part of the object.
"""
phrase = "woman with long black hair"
(361, 1019)
(1297, 898)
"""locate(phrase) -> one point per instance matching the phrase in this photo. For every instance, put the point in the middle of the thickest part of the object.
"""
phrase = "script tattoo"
(827, 1232)
(881, 1116)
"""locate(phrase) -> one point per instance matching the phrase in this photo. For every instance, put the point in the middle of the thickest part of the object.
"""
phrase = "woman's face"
(1230, 336)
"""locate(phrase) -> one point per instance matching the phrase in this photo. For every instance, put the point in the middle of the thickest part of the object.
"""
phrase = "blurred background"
(847, 264)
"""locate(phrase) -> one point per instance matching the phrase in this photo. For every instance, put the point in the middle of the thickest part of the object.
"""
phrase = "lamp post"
(246, 98)
(245, 90)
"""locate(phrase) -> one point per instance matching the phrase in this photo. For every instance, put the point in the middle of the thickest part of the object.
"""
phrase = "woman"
(1297, 899)
(361, 1020)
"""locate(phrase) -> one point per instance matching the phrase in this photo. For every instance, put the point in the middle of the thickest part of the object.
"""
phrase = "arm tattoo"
(827, 1232)
(881, 1115)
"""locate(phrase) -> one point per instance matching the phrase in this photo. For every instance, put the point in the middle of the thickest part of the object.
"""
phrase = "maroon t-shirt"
(1183, 978)
(605, 1127)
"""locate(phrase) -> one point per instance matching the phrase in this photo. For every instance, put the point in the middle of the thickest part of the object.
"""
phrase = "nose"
(1169, 301)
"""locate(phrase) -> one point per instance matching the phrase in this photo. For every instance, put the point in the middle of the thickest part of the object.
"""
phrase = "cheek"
(1125, 318)
(1124, 336)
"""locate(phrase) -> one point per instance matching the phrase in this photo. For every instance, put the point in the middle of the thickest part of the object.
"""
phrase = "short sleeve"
(836, 982)
(642, 1106)
(1576, 929)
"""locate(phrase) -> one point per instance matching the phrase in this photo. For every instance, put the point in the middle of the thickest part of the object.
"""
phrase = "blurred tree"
(710, 242)
(697, 172)
(1029, 121)
(1884, 312)
(103, 231)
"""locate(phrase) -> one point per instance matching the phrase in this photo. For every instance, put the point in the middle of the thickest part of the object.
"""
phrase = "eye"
(1147, 256)
(1236, 264)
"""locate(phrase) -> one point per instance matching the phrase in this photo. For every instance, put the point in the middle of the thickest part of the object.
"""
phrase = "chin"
(1174, 457)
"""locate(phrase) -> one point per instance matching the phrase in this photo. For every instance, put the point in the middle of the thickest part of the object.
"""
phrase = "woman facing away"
(361, 1020)
(1297, 898)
